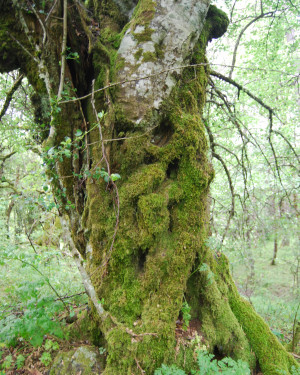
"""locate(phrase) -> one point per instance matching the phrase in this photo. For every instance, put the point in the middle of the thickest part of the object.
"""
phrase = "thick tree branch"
(10, 94)
(5, 157)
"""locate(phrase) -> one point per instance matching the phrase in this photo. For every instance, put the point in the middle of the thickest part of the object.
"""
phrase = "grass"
(272, 290)
(31, 313)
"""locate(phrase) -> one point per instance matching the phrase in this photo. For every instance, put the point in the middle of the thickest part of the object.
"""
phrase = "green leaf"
(115, 176)
(101, 114)
(78, 133)
(46, 358)
(20, 361)
(51, 151)
(68, 153)
(7, 362)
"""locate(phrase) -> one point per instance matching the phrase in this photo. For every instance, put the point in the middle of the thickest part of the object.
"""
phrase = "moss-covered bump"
(217, 21)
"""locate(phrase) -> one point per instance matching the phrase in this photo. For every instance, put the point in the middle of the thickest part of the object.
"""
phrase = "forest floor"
(272, 290)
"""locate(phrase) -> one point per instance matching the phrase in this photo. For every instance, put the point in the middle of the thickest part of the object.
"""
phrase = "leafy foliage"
(209, 366)
(186, 316)
(46, 358)
(20, 361)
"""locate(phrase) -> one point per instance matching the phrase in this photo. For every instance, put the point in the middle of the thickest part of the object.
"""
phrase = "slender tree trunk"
(142, 237)
(275, 250)
(8, 215)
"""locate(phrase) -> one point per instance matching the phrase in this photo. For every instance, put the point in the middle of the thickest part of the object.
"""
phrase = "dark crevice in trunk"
(142, 257)
(173, 169)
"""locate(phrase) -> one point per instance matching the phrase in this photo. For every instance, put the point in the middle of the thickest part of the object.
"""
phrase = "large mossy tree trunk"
(142, 237)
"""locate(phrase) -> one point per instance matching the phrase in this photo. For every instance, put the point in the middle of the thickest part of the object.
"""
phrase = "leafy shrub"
(46, 358)
(209, 366)
(7, 362)
(294, 371)
(51, 345)
(20, 361)
(32, 318)
(166, 370)
(186, 316)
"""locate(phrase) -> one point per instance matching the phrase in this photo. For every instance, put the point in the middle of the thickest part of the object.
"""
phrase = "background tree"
(139, 241)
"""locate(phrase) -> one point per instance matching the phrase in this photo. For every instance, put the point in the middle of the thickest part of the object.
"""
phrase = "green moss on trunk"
(153, 265)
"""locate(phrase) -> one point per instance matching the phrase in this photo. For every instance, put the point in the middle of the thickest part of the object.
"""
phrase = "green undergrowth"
(207, 365)
(272, 290)
(30, 289)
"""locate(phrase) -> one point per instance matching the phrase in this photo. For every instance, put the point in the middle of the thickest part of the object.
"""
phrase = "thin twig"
(40, 22)
(50, 12)
(31, 243)
(242, 88)
(240, 36)
(23, 47)
(47, 281)
(110, 85)
(73, 295)
(217, 156)
(288, 142)
(63, 51)
(115, 189)
(139, 367)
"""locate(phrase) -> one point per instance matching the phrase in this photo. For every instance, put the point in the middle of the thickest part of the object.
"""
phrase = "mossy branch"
(4, 158)
(10, 94)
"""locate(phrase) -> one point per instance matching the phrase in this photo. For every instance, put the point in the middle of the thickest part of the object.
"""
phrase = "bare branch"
(240, 36)
(40, 22)
(288, 142)
(165, 71)
(23, 47)
(241, 88)
(63, 51)
(115, 188)
(50, 12)
(217, 156)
